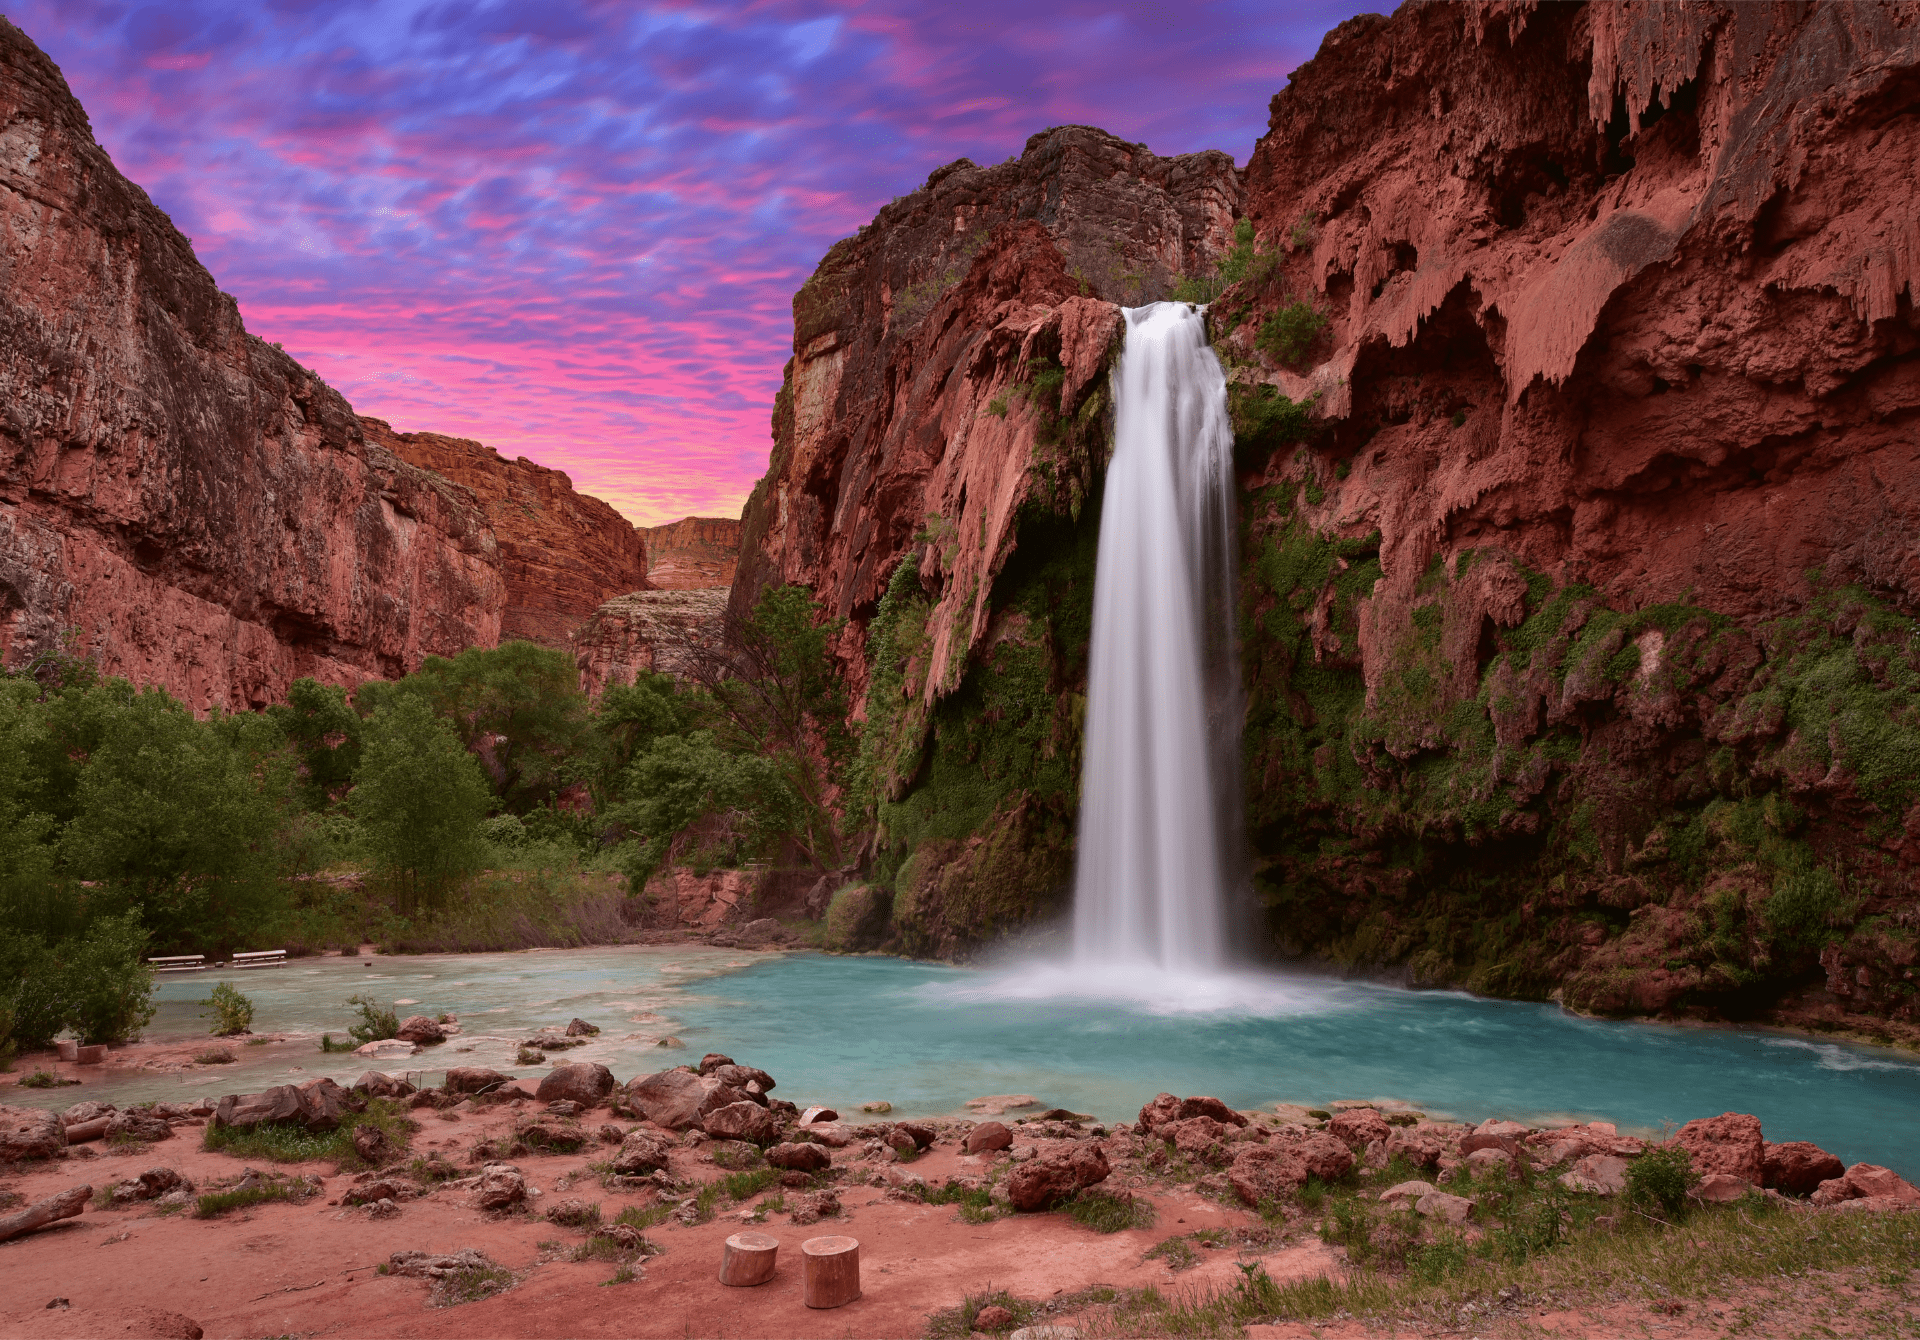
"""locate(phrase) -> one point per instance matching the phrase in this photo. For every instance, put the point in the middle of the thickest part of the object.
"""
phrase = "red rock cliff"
(908, 419)
(562, 553)
(203, 510)
(692, 554)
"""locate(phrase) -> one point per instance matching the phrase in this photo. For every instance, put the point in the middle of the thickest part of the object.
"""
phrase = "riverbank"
(1191, 1219)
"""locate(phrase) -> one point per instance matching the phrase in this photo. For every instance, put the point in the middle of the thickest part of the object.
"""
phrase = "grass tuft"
(742, 1185)
(216, 1203)
(1104, 1212)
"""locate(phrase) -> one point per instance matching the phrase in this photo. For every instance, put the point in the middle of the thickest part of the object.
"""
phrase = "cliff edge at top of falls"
(1575, 390)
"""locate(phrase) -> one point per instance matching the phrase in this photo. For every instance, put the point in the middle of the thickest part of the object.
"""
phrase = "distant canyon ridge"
(192, 508)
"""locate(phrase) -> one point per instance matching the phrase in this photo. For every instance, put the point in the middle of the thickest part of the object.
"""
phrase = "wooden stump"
(747, 1259)
(63, 1206)
(832, 1271)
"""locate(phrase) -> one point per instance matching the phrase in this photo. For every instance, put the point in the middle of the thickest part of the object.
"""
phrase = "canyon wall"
(562, 553)
(1575, 391)
(938, 443)
(692, 554)
(198, 509)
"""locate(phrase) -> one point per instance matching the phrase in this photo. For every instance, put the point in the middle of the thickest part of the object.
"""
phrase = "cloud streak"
(573, 229)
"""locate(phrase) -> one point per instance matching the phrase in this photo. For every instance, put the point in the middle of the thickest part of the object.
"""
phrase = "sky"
(572, 229)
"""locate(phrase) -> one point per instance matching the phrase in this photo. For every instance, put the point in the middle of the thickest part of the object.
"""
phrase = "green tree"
(326, 734)
(111, 989)
(419, 797)
(740, 801)
(518, 706)
(172, 818)
(627, 720)
(777, 693)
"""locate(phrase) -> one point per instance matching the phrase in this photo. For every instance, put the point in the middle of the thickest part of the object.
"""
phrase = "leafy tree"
(742, 799)
(776, 693)
(517, 705)
(171, 818)
(112, 991)
(419, 797)
(628, 719)
(325, 732)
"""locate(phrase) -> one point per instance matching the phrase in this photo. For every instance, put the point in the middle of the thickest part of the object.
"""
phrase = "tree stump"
(747, 1259)
(832, 1271)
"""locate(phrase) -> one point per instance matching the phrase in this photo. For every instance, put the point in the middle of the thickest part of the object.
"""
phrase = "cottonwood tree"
(419, 797)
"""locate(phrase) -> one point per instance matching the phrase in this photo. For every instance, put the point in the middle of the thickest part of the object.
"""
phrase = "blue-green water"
(927, 1037)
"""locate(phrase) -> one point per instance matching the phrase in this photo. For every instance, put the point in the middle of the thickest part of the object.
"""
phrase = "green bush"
(112, 990)
(1289, 334)
(857, 917)
(377, 1022)
(232, 1012)
(505, 830)
(1662, 1177)
(419, 797)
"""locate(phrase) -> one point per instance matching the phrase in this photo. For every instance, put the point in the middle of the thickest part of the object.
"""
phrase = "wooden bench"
(179, 963)
(260, 958)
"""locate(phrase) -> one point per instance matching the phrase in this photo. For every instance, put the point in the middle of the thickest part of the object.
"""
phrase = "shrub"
(505, 830)
(327, 1044)
(112, 991)
(857, 917)
(1104, 1212)
(215, 1056)
(1662, 1176)
(1289, 334)
(232, 1012)
(376, 1021)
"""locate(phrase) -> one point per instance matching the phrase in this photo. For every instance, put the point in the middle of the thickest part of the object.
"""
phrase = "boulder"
(473, 1079)
(1441, 1205)
(987, 1137)
(1720, 1188)
(1512, 1130)
(418, 1028)
(833, 1134)
(923, 1135)
(317, 1105)
(1199, 1139)
(1798, 1167)
(799, 1158)
(389, 1188)
(1208, 1107)
(740, 1076)
(1597, 1175)
(583, 1083)
(744, 1120)
(712, 1061)
(580, 1028)
(642, 1152)
(1867, 1181)
(760, 929)
(1729, 1143)
(1421, 1148)
(1476, 1141)
(81, 1113)
(372, 1145)
(1266, 1172)
(1484, 1160)
(386, 1049)
(29, 1133)
(1407, 1193)
(679, 1098)
(1359, 1127)
(1042, 1183)
(500, 1187)
(1163, 1108)
(378, 1084)
(141, 1126)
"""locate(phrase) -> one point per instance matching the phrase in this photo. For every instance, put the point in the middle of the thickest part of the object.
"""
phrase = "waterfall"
(1159, 813)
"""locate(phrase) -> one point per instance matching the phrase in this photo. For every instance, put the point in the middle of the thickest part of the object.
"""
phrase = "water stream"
(1159, 802)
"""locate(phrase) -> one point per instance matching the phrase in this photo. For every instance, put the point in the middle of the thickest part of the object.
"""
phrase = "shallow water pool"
(927, 1037)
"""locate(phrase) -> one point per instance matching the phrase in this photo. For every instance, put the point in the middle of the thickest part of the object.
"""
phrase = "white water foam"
(1159, 807)
(1153, 990)
(1832, 1057)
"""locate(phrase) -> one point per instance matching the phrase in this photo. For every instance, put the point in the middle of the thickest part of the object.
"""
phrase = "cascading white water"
(1158, 809)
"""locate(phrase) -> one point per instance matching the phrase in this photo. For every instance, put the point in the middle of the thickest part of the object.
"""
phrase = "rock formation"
(937, 440)
(561, 553)
(692, 554)
(204, 512)
(645, 631)
(1575, 385)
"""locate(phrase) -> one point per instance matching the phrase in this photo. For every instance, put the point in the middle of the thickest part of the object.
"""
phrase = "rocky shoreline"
(452, 1194)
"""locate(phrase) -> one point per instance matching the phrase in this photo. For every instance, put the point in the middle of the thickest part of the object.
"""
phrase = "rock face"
(645, 630)
(696, 553)
(561, 553)
(207, 512)
(1573, 385)
(1611, 489)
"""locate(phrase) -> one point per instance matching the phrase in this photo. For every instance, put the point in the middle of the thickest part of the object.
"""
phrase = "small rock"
(642, 1152)
(671, 1044)
(1045, 1333)
(1042, 1182)
(1359, 1128)
(713, 1061)
(833, 1134)
(473, 1079)
(573, 1213)
(378, 1084)
(881, 1106)
(1720, 1188)
(1480, 1160)
(1597, 1175)
(371, 1144)
(582, 1083)
(807, 1118)
(580, 1028)
(382, 1209)
(992, 1319)
(744, 1120)
(386, 1048)
(995, 1104)
(1407, 1191)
